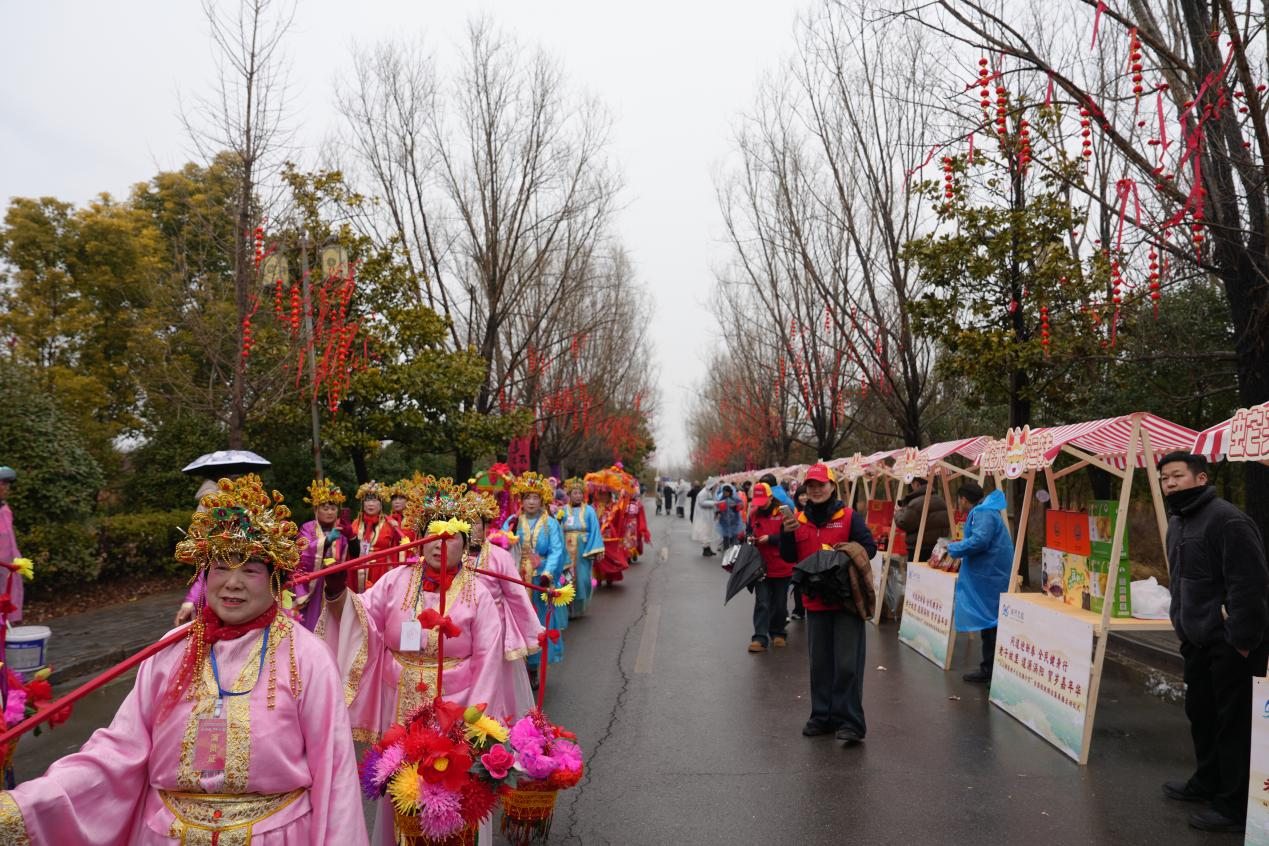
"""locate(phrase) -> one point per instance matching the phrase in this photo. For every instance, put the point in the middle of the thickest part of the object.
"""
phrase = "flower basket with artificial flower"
(442, 771)
(548, 760)
(25, 699)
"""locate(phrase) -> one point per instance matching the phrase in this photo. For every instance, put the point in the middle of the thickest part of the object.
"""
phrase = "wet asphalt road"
(691, 740)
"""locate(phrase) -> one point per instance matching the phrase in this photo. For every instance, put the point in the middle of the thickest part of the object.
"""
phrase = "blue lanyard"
(264, 648)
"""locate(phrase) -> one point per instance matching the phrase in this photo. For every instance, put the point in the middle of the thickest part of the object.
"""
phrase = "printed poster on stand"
(929, 598)
(1043, 668)
(1258, 788)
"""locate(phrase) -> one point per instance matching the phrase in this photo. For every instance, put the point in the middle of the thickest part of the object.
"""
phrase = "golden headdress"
(383, 493)
(533, 483)
(574, 482)
(241, 519)
(439, 506)
(482, 505)
(322, 491)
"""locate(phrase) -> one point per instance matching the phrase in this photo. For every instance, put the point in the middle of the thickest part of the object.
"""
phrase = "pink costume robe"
(10, 583)
(293, 765)
(308, 596)
(520, 630)
(381, 681)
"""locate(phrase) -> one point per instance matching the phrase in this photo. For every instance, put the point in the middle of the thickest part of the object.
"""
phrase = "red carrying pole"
(88, 687)
(440, 631)
(361, 562)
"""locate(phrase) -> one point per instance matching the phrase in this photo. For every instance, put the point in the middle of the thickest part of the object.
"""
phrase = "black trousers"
(797, 601)
(770, 609)
(836, 641)
(989, 649)
(1217, 702)
(669, 502)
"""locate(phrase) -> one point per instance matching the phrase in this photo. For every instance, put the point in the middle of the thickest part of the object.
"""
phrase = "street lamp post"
(308, 340)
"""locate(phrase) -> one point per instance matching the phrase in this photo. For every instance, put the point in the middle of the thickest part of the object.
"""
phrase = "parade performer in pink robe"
(237, 734)
(326, 538)
(388, 660)
(521, 628)
(10, 582)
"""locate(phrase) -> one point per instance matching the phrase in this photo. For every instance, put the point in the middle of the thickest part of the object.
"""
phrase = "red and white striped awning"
(1214, 443)
(969, 448)
(1108, 438)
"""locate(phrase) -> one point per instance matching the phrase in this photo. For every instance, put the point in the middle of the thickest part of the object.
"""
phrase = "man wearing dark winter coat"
(908, 518)
(1220, 610)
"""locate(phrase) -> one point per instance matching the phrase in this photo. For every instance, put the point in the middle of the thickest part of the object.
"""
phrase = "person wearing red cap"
(835, 634)
(770, 596)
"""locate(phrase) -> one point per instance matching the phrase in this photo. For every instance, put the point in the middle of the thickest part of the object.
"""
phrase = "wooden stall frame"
(1103, 623)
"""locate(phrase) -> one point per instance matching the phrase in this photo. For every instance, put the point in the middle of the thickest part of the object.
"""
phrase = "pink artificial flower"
(441, 815)
(15, 708)
(498, 761)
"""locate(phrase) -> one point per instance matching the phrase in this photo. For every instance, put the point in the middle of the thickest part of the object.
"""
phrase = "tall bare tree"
(495, 183)
(244, 120)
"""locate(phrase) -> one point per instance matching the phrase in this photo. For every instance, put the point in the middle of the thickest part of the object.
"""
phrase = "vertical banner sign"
(1043, 669)
(1258, 788)
(927, 625)
(518, 455)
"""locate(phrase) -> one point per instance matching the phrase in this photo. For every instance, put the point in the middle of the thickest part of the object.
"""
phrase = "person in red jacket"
(835, 636)
(770, 596)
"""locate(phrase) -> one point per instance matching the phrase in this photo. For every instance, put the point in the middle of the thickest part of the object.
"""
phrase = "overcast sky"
(90, 91)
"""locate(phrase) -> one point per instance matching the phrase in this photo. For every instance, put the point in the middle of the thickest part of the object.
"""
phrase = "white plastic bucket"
(25, 647)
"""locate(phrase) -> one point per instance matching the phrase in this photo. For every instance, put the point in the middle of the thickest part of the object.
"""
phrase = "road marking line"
(648, 640)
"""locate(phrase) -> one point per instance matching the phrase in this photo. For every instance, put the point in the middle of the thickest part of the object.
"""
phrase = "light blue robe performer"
(986, 556)
(543, 537)
(584, 540)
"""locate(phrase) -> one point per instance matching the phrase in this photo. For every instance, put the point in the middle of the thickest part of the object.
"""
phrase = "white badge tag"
(411, 636)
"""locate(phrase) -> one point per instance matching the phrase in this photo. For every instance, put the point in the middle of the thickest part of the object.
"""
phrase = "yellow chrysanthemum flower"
(403, 789)
(450, 527)
(566, 595)
(484, 728)
(25, 568)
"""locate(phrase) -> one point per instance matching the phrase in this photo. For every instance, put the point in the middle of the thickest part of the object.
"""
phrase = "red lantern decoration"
(1086, 132)
(1044, 329)
(1154, 281)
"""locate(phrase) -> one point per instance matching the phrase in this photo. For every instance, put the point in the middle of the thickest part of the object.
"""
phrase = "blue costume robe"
(543, 536)
(585, 542)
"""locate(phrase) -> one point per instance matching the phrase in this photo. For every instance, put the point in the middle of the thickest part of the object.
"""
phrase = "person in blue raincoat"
(986, 556)
(543, 555)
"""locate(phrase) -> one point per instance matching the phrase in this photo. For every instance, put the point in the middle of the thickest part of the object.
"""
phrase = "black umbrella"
(747, 569)
(824, 575)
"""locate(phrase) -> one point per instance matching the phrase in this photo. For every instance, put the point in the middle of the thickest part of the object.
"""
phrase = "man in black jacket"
(1220, 610)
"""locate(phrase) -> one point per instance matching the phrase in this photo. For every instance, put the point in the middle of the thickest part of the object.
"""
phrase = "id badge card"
(210, 743)
(411, 636)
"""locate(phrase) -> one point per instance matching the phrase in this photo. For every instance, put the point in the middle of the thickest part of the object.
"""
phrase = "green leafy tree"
(991, 269)
(58, 479)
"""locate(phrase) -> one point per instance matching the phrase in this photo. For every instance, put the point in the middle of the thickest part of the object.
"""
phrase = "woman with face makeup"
(388, 659)
(584, 541)
(236, 734)
(327, 539)
(543, 555)
(374, 531)
(605, 488)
